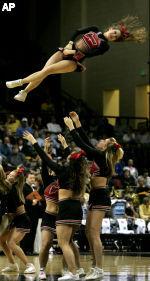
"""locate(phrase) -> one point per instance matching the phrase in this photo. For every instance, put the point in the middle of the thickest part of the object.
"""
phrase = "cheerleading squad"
(64, 188)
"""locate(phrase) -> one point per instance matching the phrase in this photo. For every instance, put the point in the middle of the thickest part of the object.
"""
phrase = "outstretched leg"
(55, 65)
(63, 66)
(36, 78)
(58, 56)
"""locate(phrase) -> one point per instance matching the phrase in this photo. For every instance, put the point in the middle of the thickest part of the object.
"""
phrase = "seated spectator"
(132, 169)
(146, 177)
(17, 158)
(127, 179)
(26, 149)
(24, 127)
(144, 209)
(38, 123)
(145, 136)
(53, 126)
(38, 138)
(114, 183)
(6, 147)
(12, 123)
(130, 210)
(142, 190)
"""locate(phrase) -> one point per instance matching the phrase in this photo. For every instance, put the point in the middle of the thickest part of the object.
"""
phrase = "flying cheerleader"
(84, 43)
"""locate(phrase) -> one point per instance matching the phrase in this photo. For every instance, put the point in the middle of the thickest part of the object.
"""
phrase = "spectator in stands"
(53, 126)
(6, 148)
(12, 123)
(132, 169)
(146, 177)
(143, 136)
(24, 126)
(130, 210)
(17, 158)
(127, 179)
(144, 209)
(24, 148)
(38, 138)
(142, 190)
(38, 123)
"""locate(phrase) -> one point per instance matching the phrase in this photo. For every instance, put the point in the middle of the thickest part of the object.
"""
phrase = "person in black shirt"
(84, 43)
(107, 153)
(71, 179)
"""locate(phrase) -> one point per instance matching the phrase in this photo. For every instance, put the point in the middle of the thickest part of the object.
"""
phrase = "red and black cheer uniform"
(99, 198)
(51, 195)
(70, 210)
(21, 221)
(88, 42)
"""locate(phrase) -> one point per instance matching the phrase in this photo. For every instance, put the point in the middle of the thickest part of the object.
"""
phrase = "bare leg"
(58, 67)
(64, 233)
(75, 248)
(7, 251)
(16, 237)
(94, 224)
(47, 238)
(63, 66)
(58, 56)
(89, 238)
(32, 85)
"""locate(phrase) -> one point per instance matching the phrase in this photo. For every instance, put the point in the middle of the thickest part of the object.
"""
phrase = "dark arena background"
(112, 99)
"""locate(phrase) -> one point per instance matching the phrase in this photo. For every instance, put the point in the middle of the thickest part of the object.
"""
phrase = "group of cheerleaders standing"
(65, 188)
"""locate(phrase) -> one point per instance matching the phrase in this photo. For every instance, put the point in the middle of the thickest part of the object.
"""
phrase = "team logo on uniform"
(91, 39)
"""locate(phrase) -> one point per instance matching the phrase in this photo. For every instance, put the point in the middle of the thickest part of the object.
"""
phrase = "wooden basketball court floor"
(116, 268)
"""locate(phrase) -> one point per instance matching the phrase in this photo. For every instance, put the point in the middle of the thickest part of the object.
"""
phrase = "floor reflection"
(32, 277)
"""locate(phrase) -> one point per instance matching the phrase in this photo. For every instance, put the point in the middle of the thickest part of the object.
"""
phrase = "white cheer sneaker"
(30, 268)
(81, 272)
(95, 273)
(21, 96)
(14, 83)
(12, 267)
(69, 276)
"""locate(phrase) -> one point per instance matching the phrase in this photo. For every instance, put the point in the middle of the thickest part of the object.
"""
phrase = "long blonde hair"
(131, 29)
(114, 153)
(5, 185)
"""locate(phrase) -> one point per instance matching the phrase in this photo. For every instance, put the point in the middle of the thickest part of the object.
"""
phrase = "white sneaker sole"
(31, 272)
(13, 84)
(20, 97)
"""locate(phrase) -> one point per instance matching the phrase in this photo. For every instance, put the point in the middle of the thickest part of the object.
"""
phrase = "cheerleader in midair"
(84, 43)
